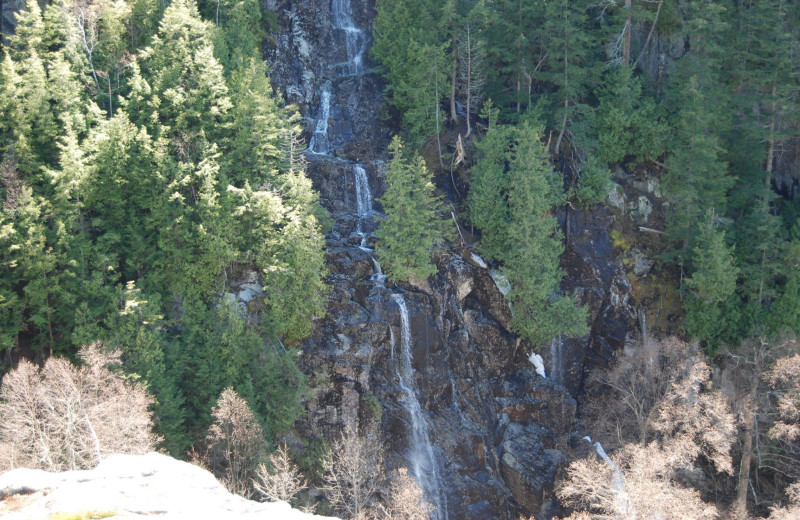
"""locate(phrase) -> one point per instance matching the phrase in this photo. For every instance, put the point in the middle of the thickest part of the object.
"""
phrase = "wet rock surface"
(494, 425)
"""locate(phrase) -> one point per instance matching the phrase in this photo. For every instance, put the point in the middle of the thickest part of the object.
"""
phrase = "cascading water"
(364, 209)
(363, 202)
(557, 368)
(355, 39)
(421, 455)
(319, 139)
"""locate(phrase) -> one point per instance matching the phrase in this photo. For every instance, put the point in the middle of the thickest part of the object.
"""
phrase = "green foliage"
(711, 287)
(697, 177)
(593, 185)
(412, 229)
(119, 225)
(412, 58)
(627, 122)
(512, 193)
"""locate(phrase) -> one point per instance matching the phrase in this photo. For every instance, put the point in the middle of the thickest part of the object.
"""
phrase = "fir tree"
(711, 313)
(411, 230)
(512, 193)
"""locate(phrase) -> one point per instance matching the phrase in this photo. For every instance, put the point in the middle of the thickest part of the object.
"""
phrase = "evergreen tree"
(254, 149)
(487, 198)
(785, 312)
(411, 230)
(137, 332)
(127, 195)
(697, 177)
(516, 50)
(413, 61)
(568, 61)
(182, 90)
(513, 191)
(711, 314)
(628, 124)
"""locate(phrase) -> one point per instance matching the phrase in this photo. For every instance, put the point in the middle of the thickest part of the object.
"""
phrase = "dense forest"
(147, 166)
(146, 160)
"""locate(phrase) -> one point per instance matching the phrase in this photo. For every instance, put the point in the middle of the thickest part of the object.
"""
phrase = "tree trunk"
(453, 114)
(740, 503)
(626, 43)
(469, 81)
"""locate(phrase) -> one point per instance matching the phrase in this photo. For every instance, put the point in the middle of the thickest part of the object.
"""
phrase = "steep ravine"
(452, 390)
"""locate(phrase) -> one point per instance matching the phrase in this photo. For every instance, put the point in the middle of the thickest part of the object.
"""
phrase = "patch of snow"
(538, 362)
(137, 486)
(501, 281)
(479, 261)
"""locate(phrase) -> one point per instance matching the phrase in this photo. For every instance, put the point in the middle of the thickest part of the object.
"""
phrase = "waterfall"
(354, 36)
(557, 368)
(319, 140)
(421, 456)
(364, 210)
(363, 195)
(363, 202)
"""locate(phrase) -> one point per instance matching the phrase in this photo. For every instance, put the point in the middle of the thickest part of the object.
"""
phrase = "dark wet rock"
(496, 427)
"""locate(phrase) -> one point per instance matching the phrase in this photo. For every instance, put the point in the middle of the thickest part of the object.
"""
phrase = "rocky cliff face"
(434, 365)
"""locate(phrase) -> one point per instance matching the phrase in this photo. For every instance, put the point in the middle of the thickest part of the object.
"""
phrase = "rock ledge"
(132, 486)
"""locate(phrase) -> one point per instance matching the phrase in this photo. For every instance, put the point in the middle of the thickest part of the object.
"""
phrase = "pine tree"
(128, 198)
(697, 177)
(253, 150)
(531, 262)
(487, 198)
(137, 331)
(411, 230)
(413, 61)
(711, 315)
(628, 124)
(182, 90)
(516, 50)
(568, 63)
(513, 191)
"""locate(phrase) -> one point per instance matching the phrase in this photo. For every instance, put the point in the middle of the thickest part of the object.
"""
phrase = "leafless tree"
(790, 511)
(691, 411)
(634, 387)
(762, 383)
(354, 472)
(236, 443)
(650, 485)
(65, 417)
(784, 383)
(471, 73)
(676, 417)
(406, 500)
(281, 481)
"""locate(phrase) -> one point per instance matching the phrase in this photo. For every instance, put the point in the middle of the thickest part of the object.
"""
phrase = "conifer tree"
(259, 128)
(137, 333)
(182, 90)
(785, 312)
(487, 198)
(413, 61)
(411, 230)
(711, 315)
(628, 124)
(568, 61)
(513, 192)
(516, 50)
